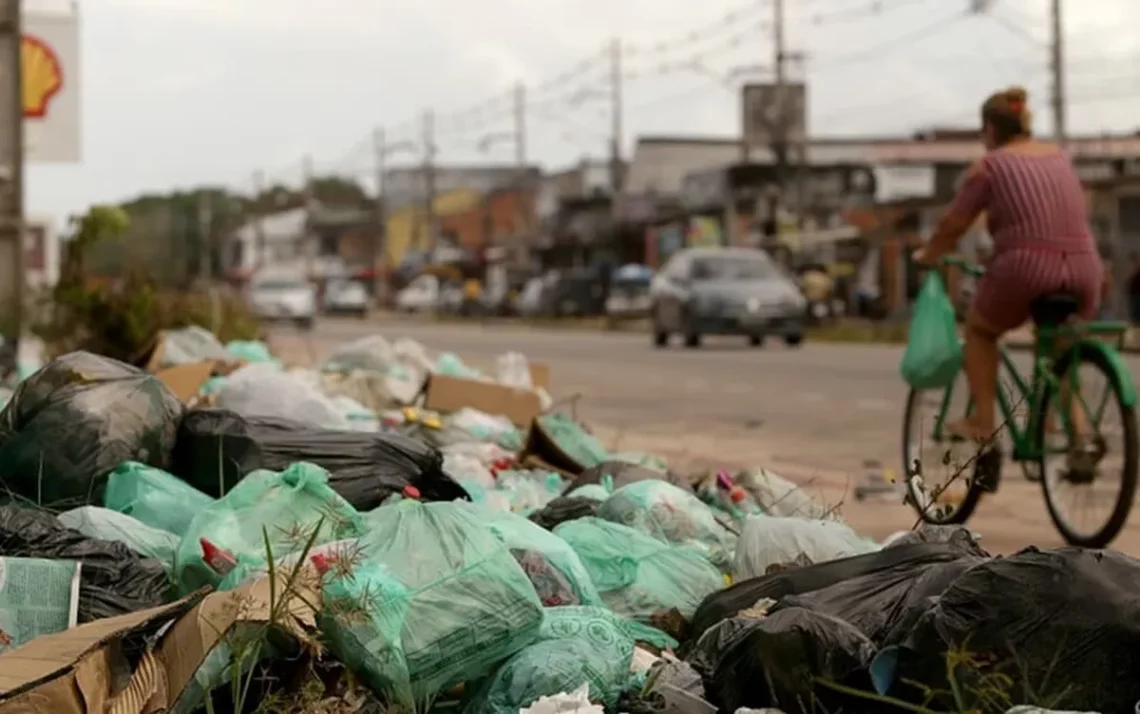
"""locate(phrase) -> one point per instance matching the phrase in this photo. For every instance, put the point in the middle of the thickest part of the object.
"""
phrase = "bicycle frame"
(1044, 380)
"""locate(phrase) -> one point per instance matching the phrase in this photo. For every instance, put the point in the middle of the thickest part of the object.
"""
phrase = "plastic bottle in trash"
(220, 561)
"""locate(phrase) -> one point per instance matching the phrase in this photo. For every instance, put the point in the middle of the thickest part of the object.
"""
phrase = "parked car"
(284, 296)
(421, 295)
(346, 297)
(725, 291)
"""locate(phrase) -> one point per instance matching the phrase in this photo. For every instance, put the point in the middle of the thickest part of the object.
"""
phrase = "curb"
(841, 333)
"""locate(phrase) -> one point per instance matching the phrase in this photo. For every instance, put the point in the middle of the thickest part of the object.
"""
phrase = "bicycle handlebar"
(964, 265)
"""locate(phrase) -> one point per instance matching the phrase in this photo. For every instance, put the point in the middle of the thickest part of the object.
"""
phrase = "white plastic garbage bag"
(261, 390)
(576, 702)
(370, 354)
(467, 468)
(779, 496)
(768, 541)
(191, 344)
(513, 370)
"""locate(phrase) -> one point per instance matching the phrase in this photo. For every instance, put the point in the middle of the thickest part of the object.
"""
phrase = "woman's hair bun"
(1016, 94)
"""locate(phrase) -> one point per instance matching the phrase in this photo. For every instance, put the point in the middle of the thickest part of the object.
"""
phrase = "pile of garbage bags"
(465, 563)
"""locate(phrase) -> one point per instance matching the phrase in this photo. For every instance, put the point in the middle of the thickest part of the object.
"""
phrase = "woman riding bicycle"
(1036, 213)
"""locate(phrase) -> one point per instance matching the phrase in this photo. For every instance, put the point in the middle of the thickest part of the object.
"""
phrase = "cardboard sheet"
(450, 394)
(74, 672)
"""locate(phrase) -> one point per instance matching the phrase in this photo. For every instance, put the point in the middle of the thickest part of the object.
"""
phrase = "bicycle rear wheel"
(1119, 442)
(939, 472)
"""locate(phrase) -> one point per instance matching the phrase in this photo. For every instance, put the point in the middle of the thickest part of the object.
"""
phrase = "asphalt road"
(818, 413)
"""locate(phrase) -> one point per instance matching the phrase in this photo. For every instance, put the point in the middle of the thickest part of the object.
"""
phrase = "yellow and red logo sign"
(43, 76)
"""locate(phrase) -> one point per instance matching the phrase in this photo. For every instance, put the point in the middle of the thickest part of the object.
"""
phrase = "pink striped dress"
(1042, 243)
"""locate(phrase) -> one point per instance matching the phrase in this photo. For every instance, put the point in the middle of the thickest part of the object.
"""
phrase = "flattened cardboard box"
(521, 406)
(71, 672)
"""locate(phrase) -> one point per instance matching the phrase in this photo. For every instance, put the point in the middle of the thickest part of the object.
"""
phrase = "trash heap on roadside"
(214, 530)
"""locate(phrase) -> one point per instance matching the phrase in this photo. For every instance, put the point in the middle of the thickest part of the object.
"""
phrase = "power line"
(908, 38)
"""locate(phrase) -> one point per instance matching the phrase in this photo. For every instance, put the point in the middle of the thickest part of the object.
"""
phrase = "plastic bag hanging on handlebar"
(933, 354)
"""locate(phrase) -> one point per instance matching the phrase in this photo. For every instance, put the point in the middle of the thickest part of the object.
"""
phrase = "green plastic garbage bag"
(638, 575)
(523, 536)
(577, 645)
(435, 599)
(582, 447)
(154, 497)
(670, 514)
(250, 350)
(105, 524)
(933, 354)
(287, 506)
(593, 491)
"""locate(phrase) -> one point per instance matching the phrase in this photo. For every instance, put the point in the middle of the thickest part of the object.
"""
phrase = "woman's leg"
(980, 356)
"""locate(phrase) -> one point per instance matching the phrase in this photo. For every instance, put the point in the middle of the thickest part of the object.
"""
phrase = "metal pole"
(429, 181)
(258, 223)
(307, 193)
(11, 170)
(520, 124)
(616, 129)
(379, 149)
(1057, 65)
(780, 145)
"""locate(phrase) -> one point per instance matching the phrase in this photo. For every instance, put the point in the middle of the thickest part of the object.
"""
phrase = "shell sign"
(43, 76)
(50, 69)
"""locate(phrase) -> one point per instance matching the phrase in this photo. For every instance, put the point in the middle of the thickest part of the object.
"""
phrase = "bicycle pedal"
(987, 470)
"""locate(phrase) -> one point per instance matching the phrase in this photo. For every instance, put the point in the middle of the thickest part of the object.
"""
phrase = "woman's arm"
(973, 198)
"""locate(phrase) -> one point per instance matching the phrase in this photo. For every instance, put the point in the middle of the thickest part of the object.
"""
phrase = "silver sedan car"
(725, 291)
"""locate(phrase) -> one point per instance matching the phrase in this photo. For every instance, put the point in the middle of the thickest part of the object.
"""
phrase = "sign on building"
(766, 109)
(49, 55)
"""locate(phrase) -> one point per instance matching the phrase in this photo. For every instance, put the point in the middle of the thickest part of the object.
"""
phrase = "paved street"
(814, 414)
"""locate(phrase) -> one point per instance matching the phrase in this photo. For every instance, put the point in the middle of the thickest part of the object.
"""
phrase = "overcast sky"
(178, 93)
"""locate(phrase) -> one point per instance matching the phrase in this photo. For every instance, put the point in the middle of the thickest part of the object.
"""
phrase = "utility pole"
(616, 130)
(258, 222)
(429, 181)
(309, 201)
(205, 219)
(11, 171)
(1057, 65)
(379, 152)
(520, 124)
(780, 143)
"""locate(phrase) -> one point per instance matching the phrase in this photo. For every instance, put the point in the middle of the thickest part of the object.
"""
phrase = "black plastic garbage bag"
(775, 661)
(624, 473)
(113, 580)
(562, 509)
(885, 605)
(1063, 624)
(745, 594)
(217, 447)
(931, 534)
(69, 424)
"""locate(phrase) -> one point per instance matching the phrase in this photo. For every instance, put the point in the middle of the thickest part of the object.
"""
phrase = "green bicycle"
(1065, 345)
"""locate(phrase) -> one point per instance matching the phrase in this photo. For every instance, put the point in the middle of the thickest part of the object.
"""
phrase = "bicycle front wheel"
(1100, 472)
(937, 469)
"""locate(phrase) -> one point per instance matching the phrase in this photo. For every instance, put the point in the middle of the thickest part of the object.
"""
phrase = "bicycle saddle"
(1053, 308)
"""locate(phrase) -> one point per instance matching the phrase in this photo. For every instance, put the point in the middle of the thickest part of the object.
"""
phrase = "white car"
(284, 297)
(421, 295)
(346, 297)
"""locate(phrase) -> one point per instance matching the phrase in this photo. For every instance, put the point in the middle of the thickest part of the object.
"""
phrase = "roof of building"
(660, 163)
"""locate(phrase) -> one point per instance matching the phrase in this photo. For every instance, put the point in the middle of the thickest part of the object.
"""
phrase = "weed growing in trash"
(305, 691)
(976, 686)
